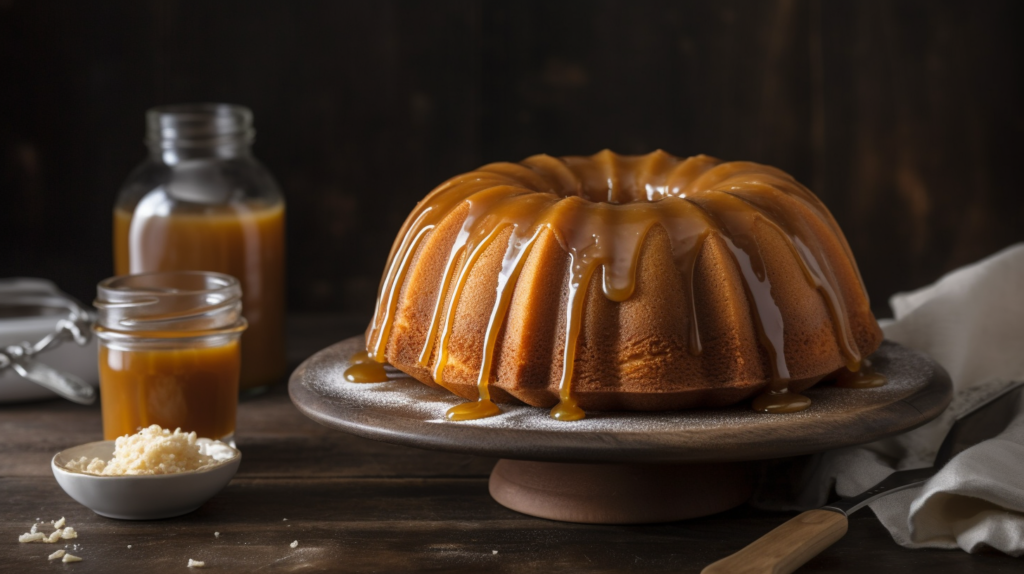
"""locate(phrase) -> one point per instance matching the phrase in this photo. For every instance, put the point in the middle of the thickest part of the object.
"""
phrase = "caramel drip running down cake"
(615, 282)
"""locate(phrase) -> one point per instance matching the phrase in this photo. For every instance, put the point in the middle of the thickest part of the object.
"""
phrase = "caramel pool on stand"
(365, 370)
(864, 378)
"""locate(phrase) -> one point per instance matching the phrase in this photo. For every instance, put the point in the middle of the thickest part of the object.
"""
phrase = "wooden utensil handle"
(786, 548)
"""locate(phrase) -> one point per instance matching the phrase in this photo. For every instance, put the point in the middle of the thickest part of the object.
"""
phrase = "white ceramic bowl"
(144, 497)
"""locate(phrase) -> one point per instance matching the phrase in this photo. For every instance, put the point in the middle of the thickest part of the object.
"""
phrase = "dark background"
(905, 117)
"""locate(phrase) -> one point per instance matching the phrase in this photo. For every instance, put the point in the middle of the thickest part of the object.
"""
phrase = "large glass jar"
(168, 352)
(202, 202)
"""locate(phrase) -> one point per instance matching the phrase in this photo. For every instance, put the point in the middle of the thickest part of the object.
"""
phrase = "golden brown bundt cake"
(621, 283)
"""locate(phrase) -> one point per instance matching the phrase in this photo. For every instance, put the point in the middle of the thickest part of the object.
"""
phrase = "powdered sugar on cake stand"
(621, 467)
(405, 411)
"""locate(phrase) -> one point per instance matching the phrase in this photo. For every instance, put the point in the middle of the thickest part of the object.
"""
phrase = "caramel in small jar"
(195, 389)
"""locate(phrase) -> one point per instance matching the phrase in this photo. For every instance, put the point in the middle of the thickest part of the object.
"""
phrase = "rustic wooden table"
(356, 505)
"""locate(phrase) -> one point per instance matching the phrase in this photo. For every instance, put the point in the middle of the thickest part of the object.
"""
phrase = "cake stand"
(622, 467)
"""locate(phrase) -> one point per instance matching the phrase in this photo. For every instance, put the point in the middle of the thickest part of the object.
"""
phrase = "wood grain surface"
(360, 506)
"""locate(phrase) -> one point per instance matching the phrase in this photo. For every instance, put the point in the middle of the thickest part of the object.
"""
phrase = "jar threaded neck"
(182, 131)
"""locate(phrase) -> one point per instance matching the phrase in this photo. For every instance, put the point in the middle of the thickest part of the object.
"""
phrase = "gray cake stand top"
(405, 411)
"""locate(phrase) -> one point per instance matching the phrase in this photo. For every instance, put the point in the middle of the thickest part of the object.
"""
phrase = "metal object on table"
(623, 454)
(34, 296)
(981, 423)
(801, 538)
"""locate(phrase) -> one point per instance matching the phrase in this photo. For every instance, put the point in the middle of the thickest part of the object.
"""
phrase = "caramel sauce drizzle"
(364, 369)
(599, 209)
(865, 378)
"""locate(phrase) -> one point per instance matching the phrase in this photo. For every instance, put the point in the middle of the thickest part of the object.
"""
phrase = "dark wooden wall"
(904, 116)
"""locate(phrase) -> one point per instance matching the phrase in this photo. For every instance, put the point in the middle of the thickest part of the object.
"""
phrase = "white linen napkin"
(972, 322)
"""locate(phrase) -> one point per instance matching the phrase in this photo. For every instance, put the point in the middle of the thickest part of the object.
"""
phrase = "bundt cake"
(616, 282)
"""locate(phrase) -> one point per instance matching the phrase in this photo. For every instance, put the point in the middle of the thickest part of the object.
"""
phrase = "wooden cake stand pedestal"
(622, 493)
(622, 468)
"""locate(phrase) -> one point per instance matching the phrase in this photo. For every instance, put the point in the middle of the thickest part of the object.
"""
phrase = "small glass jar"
(202, 202)
(169, 352)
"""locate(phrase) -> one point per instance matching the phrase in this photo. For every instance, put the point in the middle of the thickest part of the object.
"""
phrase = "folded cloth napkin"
(972, 322)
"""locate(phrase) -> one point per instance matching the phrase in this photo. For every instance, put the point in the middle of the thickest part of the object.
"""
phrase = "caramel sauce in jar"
(195, 389)
(245, 241)
(169, 352)
(202, 202)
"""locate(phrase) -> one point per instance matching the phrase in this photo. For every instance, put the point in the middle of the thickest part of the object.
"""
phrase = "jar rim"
(115, 284)
(203, 124)
(169, 303)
